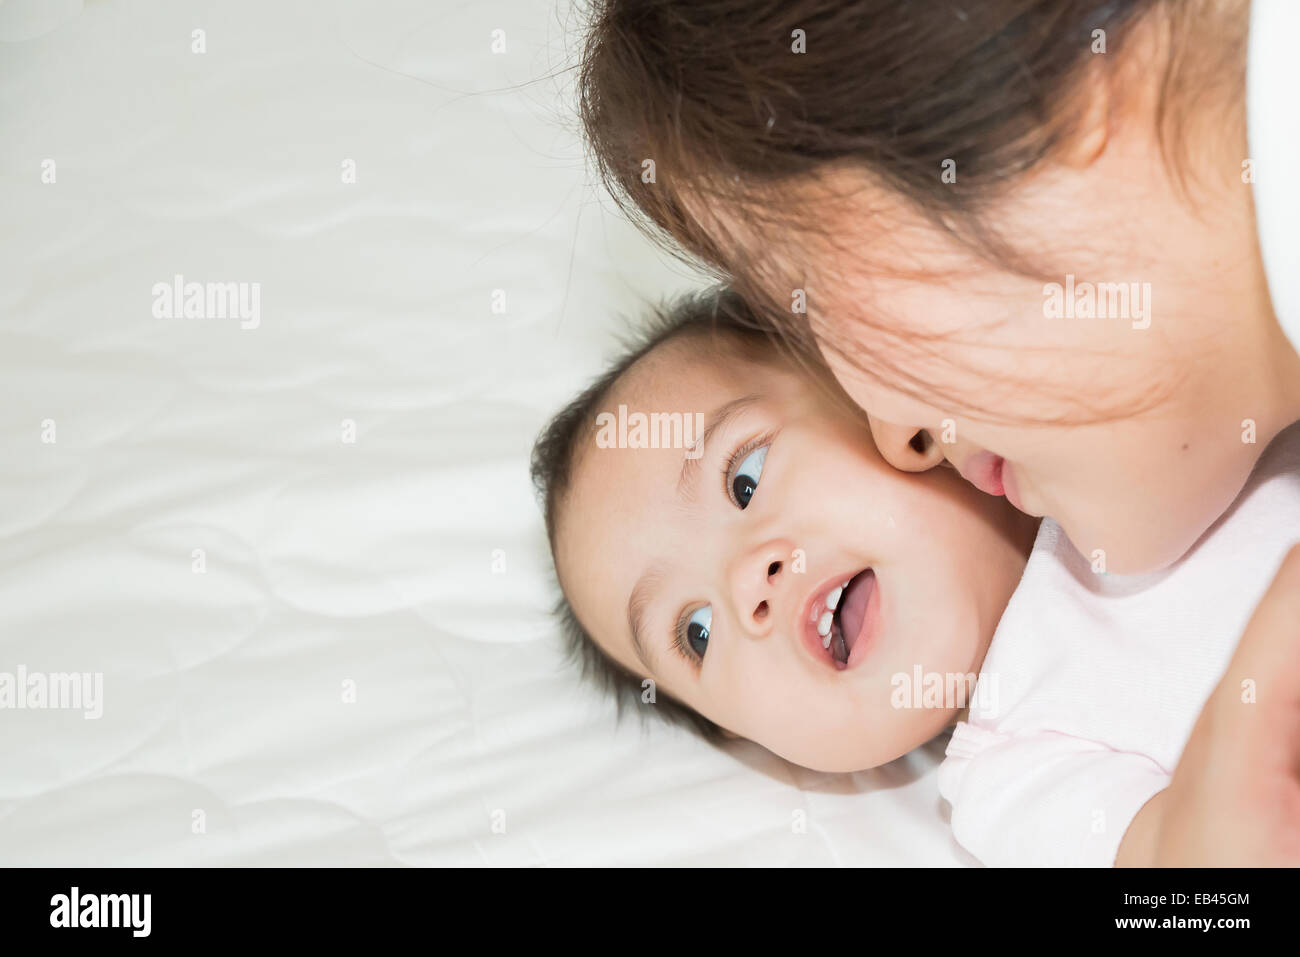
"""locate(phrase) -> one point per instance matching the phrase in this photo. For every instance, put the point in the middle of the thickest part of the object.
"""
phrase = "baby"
(777, 580)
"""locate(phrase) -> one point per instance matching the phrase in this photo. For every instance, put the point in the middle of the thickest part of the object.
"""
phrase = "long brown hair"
(693, 106)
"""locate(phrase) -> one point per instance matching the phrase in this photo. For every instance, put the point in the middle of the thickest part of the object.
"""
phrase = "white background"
(329, 562)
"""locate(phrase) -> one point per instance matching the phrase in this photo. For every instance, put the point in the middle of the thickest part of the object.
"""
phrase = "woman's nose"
(759, 582)
(906, 447)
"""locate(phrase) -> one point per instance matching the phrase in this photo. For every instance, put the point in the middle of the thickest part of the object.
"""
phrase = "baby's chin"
(863, 754)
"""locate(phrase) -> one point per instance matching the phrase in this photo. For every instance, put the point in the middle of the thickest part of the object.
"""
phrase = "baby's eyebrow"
(636, 607)
(717, 419)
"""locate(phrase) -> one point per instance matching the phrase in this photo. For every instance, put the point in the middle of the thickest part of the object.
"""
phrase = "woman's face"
(1130, 412)
(714, 576)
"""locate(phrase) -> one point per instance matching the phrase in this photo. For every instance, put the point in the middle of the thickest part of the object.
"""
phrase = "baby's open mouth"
(843, 610)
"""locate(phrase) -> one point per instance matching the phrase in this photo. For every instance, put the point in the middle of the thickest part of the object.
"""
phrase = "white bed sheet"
(329, 562)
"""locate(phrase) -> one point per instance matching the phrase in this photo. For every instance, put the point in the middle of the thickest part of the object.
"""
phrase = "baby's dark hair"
(718, 311)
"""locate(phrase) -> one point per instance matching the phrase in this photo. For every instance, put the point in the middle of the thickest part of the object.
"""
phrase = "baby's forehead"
(687, 377)
(619, 486)
(701, 364)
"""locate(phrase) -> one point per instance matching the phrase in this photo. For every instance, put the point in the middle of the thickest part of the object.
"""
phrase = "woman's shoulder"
(1273, 128)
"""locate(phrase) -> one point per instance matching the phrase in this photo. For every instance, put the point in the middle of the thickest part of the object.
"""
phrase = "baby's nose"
(757, 584)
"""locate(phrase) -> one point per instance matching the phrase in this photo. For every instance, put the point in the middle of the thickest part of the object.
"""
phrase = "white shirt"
(1092, 682)
(1273, 131)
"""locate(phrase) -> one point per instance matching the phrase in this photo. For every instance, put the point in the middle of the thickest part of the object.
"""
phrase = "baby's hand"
(1234, 799)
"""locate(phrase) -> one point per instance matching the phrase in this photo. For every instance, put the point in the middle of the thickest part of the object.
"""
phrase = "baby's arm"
(1043, 798)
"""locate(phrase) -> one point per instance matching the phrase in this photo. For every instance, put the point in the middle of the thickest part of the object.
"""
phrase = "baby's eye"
(744, 482)
(697, 629)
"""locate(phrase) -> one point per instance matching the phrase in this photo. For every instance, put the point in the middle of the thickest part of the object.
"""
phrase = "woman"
(1052, 241)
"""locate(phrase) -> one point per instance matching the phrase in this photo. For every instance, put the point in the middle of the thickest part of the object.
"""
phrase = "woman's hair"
(560, 446)
(696, 106)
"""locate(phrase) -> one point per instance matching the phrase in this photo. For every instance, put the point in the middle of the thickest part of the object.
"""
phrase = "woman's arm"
(1138, 848)
(1234, 799)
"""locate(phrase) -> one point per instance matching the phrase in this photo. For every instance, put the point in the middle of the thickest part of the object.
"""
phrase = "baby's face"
(712, 575)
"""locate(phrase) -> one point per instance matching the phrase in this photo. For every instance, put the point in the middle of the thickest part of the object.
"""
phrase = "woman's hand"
(1234, 799)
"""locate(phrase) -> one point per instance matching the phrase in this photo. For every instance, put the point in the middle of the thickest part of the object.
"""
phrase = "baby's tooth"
(833, 599)
(826, 641)
(824, 624)
(846, 584)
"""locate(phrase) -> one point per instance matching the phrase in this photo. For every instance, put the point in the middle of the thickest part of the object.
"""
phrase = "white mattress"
(329, 562)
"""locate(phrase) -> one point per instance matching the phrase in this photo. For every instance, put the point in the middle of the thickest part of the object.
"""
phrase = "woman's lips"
(993, 475)
(984, 471)
(1011, 488)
